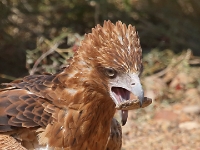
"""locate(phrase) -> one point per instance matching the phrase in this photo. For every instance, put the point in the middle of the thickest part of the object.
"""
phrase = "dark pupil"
(111, 72)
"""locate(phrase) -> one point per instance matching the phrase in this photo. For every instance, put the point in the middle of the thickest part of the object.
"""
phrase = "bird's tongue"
(124, 116)
(122, 95)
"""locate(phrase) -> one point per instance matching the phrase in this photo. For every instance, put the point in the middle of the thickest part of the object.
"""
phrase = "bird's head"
(113, 55)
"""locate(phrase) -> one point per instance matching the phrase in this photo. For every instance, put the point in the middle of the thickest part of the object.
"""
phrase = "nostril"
(132, 83)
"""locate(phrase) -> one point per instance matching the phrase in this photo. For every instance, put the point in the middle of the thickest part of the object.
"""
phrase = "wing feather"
(28, 102)
(40, 85)
(20, 108)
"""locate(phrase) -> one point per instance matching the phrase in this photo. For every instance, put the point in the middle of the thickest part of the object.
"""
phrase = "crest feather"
(116, 46)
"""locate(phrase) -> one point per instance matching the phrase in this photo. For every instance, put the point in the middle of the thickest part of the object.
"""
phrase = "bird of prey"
(74, 109)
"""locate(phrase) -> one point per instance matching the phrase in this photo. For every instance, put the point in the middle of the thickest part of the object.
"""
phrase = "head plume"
(116, 46)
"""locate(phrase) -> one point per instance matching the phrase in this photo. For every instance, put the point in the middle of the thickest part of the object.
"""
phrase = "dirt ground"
(172, 121)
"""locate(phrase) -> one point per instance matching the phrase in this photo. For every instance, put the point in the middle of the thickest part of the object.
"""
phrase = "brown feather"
(73, 109)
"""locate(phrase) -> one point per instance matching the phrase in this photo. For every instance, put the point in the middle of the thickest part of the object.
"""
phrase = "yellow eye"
(110, 72)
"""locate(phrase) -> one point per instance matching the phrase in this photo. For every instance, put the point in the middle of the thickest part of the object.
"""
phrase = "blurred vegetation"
(37, 36)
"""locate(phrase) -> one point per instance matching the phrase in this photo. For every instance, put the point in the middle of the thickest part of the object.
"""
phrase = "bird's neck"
(89, 111)
(94, 121)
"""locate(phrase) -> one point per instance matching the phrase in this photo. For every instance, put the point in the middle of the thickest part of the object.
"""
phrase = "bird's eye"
(110, 72)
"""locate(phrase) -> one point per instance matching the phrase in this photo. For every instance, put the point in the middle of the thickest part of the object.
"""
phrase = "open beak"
(122, 89)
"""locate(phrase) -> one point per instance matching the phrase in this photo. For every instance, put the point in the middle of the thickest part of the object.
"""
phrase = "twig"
(58, 50)
(32, 71)
(172, 65)
(7, 77)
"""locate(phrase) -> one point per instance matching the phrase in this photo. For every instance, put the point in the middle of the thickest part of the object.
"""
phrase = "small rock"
(192, 93)
(189, 125)
(193, 109)
(166, 115)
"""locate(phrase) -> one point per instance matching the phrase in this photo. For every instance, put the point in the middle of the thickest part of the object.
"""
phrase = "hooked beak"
(122, 89)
